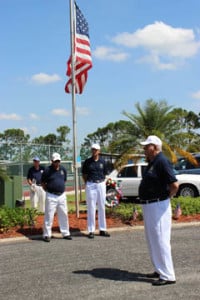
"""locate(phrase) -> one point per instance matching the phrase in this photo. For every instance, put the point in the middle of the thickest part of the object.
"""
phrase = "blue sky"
(141, 49)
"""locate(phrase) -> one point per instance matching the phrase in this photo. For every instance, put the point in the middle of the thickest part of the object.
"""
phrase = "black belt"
(96, 181)
(151, 200)
(55, 193)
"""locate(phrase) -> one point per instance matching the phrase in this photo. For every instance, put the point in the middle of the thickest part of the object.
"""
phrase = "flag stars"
(82, 25)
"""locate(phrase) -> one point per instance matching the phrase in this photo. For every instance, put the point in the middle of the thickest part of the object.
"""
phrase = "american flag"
(177, 212)
(135, 214)
(82, 55)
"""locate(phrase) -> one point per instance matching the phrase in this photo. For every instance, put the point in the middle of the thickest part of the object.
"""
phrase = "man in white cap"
(93, 172)
(37, 194)
(157, 186)
(53, 182)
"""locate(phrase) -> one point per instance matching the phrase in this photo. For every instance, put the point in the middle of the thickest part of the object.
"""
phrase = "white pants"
(157, 221)
(96, 195)
(56, 203)
(37, 197)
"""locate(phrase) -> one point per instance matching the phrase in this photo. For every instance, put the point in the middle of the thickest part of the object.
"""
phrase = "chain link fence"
(16, 159)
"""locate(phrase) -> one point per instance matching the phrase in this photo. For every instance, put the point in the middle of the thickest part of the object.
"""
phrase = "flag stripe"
(81, 50)
(81, 39)
(83, 60)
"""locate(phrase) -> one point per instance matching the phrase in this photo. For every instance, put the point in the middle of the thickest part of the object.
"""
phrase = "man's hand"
(33, 187)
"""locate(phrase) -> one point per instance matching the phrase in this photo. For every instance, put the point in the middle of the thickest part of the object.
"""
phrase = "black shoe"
(152, 275)
(160, 282)
(91, 235)
(104, 233)
(46, 239)
(67, 237)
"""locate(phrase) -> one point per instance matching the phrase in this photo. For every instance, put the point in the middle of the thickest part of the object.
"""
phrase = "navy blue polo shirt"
(33, 173)
(95, 170)
(156, 179)
(54, 179)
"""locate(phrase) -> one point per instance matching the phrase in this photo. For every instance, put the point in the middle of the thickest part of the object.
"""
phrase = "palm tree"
(157, 118)
(153, 119)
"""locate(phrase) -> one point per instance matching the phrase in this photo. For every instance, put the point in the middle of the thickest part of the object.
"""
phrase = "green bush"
(124, 211)
(189, 206)
(11, 217)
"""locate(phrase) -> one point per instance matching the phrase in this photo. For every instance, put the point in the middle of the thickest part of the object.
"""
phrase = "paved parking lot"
(103, 268)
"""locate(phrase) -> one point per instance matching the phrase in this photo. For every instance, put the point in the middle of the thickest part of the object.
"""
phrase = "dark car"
(189, 171)
(185, 164)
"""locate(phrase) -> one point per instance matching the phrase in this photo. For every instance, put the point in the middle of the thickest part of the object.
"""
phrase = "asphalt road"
(103, 268)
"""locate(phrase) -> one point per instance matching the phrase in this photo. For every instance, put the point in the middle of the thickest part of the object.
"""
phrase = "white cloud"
(83, 111)
(12, 117)
(196, 95)
(107, 53)
(167, 47)
(60, 112)
(33, 116)
(158, 63)
(42, 78)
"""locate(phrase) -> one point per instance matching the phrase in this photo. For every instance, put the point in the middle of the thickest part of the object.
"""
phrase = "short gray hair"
(159, 147)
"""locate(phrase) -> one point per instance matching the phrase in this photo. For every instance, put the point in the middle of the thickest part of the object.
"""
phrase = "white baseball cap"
(55, 156)
(36, 158)
(152, 139)
(95, 146)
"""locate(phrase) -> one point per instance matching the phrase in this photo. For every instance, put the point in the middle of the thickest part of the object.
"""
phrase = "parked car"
(129, 177)
(184, 164)
(189, 171)
(189, 185)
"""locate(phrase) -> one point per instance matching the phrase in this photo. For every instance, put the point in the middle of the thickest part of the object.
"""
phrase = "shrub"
(11, 217)
(124, 211)
(189, 206)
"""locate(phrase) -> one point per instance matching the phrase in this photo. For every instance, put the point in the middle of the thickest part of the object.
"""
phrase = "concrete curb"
(84, 233)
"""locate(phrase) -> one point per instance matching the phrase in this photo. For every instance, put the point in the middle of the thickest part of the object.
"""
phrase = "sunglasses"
(56, 161)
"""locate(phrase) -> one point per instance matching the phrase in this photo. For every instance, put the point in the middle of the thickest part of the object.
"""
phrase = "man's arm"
(43, 180)
(29, 177)
(29, 181)
(85, 171)
(173, 189)
(84, 177)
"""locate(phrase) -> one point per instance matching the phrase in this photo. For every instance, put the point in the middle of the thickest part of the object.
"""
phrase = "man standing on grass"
(53, 182)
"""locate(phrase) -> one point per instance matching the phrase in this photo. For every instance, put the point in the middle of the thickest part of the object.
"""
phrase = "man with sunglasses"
(53, 182)
(93, 172)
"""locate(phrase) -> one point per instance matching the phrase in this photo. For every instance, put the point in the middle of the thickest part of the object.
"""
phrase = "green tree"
(153, 119)
(174, 127)
(185, 125)
(11, 140)
(63, 132)
(177, 128)
(15, 145)
(113, 138)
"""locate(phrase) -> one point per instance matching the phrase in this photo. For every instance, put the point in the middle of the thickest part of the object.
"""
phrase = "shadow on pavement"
(115, 274)
(33, 233)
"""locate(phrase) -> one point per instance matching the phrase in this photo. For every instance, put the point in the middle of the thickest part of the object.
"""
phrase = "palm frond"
(188, 156)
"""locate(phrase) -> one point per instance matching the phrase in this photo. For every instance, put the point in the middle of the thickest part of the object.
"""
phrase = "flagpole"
(75, 167)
